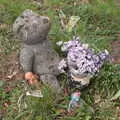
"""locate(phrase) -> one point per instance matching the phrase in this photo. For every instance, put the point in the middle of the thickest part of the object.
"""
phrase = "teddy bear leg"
(51, 81)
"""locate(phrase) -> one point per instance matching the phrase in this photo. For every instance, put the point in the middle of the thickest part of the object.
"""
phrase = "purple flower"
(80, 58)
(103, 54)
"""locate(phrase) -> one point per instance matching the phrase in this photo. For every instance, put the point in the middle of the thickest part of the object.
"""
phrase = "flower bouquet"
(81, 62)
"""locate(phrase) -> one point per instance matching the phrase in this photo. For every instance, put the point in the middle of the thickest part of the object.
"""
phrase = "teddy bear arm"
(26, 60)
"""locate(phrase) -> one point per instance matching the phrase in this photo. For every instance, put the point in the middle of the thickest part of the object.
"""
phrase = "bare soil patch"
(116, 51)
(10, 68)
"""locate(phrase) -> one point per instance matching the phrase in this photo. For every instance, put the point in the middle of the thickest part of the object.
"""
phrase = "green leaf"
(1, 83)
(116, 96)
(21, 114)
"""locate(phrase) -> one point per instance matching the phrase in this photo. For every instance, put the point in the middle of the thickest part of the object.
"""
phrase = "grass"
(98, 26)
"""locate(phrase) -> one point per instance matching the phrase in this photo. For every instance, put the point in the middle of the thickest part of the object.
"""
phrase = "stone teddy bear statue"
(37, 55)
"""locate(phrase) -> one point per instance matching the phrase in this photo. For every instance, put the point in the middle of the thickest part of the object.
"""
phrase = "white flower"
(62, 65)
(59, 43)
(85, 46)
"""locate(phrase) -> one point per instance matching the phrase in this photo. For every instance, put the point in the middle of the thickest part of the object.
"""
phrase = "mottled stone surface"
(31, 28)
(36, 54)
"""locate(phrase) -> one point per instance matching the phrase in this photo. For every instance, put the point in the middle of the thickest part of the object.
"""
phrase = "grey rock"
(36, 54)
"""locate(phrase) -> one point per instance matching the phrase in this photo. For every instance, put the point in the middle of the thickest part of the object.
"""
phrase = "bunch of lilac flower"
(81, 59)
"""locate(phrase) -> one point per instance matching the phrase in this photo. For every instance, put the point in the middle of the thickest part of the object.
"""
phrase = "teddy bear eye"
(45, 21)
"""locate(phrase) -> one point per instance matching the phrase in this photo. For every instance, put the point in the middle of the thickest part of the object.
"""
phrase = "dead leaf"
(8, 89)
(66, 92)
(62, 111)
(71, 113)
(5, 104)
(11, 76)
(97, 99)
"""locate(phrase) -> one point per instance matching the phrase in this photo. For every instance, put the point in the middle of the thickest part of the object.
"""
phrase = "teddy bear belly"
(41, 69)
(45, 64)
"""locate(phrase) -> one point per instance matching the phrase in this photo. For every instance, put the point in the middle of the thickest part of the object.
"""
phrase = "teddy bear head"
(31, 28)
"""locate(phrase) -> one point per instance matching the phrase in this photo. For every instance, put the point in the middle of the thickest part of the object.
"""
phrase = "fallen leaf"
(97, 99)
(71, 113)
(8, 89)
(65, 92)
(61, 111)
(5, 104)
(13, 74)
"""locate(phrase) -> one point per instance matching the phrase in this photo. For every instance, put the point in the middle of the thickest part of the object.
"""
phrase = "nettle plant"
(81, 62)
